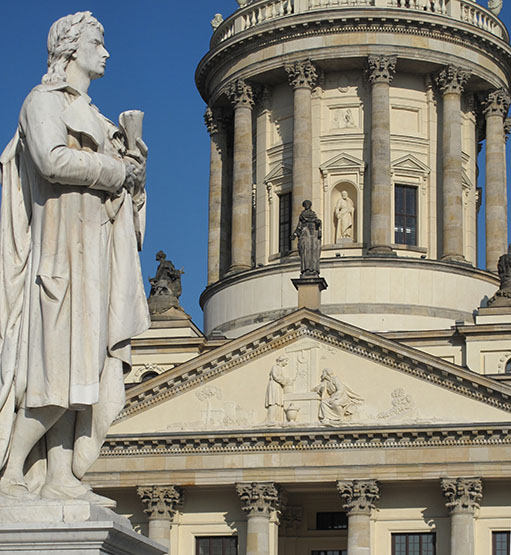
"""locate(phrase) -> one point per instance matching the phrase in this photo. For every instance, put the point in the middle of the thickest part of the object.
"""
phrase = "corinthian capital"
(496, 103)
(160, 502)
(260, 498)
(381, 69)
(452, 79)
(211, 122)
(240, 93)
(302, 75)
(463, 494)
(360, 496)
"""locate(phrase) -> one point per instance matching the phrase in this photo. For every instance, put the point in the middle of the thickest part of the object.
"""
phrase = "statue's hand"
(135, 172)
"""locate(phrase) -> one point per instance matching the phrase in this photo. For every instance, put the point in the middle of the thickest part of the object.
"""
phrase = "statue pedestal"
(494, 315)
(47, 527)
(309, 291)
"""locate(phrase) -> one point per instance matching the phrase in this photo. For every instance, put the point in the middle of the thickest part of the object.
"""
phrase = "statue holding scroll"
(71, 291)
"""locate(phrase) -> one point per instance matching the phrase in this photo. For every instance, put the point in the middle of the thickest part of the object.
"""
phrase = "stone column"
(360, 497)
(380, 74)
(495, 110)
(160, 505)
(302, 77)
(242, 98)
(216, 200)
(451, 81)
(463, 496)
(259, 500)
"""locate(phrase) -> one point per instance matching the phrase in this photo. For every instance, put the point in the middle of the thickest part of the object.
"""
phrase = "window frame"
(407, 216)
(222, 537)
(494, 540)
(331, 513)
(407, 534)
(288, 194)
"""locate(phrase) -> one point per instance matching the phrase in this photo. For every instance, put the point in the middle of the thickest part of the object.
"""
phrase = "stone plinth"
(494, 315)
(309, 291)
(48, 527)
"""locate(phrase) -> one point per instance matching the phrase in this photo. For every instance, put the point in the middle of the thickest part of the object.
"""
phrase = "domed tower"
(375, 111)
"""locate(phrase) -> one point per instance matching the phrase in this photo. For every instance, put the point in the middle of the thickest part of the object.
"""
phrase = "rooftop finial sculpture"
(502, 297)
(165, 286)
(309, 233)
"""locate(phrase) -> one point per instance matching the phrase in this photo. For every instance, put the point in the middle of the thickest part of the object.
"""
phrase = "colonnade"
(262, 500)
(381, 69)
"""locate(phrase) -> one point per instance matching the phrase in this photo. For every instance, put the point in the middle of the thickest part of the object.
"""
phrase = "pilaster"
(380, 72)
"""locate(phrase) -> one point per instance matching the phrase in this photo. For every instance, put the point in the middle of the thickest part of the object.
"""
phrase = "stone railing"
(259, 12)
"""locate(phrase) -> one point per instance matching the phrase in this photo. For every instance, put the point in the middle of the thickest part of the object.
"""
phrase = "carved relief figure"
(274, 400)
(73, 296)
(344, 211)
(309, 235)
(338, 401)
(403, 405)
(344, 119)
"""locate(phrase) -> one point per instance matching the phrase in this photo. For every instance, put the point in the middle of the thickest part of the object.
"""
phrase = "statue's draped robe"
(71, 292)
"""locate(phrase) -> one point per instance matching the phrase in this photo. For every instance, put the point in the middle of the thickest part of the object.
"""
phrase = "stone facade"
(383, 409)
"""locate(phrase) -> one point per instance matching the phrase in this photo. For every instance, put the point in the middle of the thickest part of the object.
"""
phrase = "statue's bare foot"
(15, 489)
(79, 491)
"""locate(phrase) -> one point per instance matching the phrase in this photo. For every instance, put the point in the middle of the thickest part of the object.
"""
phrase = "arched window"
(507, 367)
(148, 376)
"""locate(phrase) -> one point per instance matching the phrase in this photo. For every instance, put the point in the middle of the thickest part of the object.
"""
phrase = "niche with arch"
(344, 212)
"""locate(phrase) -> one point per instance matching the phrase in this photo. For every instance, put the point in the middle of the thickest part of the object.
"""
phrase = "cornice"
(304, 323)
(313, 439)
(371, 20)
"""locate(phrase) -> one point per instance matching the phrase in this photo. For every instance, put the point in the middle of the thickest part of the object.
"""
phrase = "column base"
(237, 269)
(380, 250)
(458, 258)
(309, 291)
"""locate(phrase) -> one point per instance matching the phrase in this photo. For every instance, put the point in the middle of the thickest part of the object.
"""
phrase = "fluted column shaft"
(259, 500)
(380, 73)
(497, 105)
(215, 195)
(463, 496)
(451, 81)
(302, 77)
(160, 505)
(360, 497)
(241, 97)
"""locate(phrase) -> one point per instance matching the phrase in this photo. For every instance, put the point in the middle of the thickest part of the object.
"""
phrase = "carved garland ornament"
(463, 494)
(160, 502)
(381, 69)
(452, 79)
(497, 103)
(260, 498)
(240, 94)
(360, 496)
(302, 75)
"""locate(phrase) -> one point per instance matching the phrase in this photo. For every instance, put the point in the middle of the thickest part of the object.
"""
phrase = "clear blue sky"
(154, 47)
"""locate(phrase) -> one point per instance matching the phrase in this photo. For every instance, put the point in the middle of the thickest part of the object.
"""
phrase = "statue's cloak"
(71, 291)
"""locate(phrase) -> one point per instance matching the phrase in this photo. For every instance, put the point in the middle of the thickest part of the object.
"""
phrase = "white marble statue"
(71, 291)
(344, 211)
(274, 399)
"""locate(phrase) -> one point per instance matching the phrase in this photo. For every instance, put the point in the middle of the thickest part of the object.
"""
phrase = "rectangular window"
(331, 521)
(413, 544)
(501, 543)
(285, 223)
(405, 215)
(217, 545)
(330, 552)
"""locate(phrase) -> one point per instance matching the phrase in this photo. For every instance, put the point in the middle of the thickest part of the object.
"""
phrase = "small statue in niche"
(165, 286)
(503, 296)
(308, 231)
(274, 399)
(344, 211)
(338, 401)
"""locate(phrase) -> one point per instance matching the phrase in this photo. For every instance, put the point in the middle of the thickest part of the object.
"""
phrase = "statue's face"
(344, 195)
(91, 54)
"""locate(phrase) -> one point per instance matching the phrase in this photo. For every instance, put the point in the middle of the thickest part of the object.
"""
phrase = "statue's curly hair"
(63, 42)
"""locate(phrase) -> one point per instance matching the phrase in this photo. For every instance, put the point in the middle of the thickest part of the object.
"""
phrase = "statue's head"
(282, 360)
(344, 194)
(160, 255)
(75, 37)
(307, 204)
(327, 374)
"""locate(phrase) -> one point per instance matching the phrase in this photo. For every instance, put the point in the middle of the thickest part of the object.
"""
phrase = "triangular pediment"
(342, 161)
(376, 382)
(279, 172)
(411, 164)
